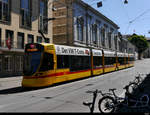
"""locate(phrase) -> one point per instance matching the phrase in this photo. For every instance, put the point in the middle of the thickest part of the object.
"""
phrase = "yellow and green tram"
(110, 63)
(46, 64)
(121, 58)
(131, 58)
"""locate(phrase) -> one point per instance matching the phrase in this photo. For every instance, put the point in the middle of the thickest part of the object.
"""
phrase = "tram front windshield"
(31, 62)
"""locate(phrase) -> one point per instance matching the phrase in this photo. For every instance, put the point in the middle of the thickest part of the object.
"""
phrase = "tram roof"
(46, 44)
(108, 53)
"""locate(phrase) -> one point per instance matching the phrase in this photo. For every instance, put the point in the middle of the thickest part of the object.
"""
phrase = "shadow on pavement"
(21, 89)
(14, 90)
(143, 88)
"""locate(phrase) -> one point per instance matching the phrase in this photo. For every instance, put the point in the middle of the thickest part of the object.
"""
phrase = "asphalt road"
(66, 97)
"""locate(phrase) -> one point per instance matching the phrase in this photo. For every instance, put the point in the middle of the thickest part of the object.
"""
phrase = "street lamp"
(99, 4)
(126, 2)
(45, 20)
(48, 19)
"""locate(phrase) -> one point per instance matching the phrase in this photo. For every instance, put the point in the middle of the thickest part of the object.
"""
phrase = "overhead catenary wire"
(135, 19)
(126, 13)
(130, 22)
(139, 16)
(64, 4)
(93, 2)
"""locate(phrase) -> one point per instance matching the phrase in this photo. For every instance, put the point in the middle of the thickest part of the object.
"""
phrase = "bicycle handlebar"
(95, 91)
(140, 74)
(112, 89)
(87, 103)
(126, 87)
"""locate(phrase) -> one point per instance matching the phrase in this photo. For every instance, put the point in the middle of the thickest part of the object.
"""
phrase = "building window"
(106, 35)
(94, 33)
(30, 39)
(20, 41)
(80, 25)
(115, 39)
(9, 39)
(25, 13)
(8, 63)
(19, 63)
(0, 38)
(4, 10)
(100, 37)
(39, 39)
(43, 25)
(109, 39)
(89, 29)
(103, 36)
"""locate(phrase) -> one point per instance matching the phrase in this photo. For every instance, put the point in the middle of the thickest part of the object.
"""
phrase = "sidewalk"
(10, 82)
(10, 78)
(145, 85)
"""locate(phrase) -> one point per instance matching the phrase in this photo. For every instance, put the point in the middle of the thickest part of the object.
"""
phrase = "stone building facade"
(20, 22)
(78, 24)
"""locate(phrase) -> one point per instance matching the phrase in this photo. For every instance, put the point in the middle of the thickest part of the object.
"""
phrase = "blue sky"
(133, 17)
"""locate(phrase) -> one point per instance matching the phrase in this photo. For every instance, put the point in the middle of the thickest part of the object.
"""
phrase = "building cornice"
(96, 12)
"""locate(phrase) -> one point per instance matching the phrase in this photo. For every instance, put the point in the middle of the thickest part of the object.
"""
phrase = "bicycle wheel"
(144, 100)
(138, 80)
(106, 105)
(132, 87)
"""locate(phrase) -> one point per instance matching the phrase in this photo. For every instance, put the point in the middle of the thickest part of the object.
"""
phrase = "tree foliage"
(139, 41)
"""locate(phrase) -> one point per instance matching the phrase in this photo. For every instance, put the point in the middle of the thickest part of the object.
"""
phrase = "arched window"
(103, 36)
(80, 25)
(94, 33)
(43, 25)
(26, 13)
(4, 10)
(109, 39)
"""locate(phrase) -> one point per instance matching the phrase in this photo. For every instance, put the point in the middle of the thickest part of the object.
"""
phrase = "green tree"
(140, 42)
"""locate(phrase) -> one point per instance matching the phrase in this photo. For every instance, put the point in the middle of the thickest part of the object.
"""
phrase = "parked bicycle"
(109, 103)
(138, 79)
(135, 84)
(91, 104)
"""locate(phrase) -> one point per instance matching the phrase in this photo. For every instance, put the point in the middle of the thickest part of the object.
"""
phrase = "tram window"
(86, 62)
(47, 62)
(62, 61)
(110, 60)
(127, 60)
(79, 63)
(121, 60)
(97, 61)
(131, 59)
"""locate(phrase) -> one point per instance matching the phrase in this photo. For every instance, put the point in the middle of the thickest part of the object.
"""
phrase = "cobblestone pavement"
(145, 89)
